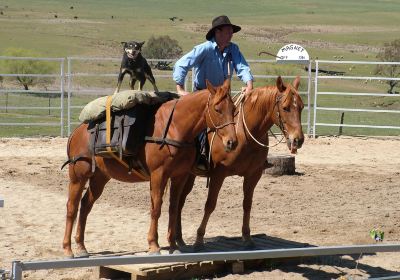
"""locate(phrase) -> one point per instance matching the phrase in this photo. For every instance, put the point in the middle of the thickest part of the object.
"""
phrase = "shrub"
(162, 47)
(391, 53)
(26, 67)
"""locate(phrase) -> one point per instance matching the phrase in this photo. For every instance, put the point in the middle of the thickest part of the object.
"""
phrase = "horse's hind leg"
(74, 195)
(96, 187)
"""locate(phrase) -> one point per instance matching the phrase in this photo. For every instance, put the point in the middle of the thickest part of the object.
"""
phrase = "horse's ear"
(296, 82)
(279, 84)
(227, 84)
(210, 87)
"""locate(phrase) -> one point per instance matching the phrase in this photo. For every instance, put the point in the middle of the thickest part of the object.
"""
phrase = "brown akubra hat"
(218, 22)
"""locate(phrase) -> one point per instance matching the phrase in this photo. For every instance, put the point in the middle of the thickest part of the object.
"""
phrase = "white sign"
(292, 53)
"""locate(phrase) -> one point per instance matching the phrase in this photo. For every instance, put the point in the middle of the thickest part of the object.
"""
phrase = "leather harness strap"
(164, 140)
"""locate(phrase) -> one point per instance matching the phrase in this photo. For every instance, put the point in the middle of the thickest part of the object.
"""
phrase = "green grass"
(354, 30)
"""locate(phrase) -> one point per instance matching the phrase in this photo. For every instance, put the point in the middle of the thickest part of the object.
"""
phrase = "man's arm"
(185, 63)
(242, 69)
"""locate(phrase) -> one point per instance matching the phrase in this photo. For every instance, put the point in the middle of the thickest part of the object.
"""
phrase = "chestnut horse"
(212, 108)
(258, 111)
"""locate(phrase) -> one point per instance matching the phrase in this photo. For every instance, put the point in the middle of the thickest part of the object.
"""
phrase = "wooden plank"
(166, 271)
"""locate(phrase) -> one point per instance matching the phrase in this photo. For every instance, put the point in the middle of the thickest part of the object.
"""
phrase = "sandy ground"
(343, 188)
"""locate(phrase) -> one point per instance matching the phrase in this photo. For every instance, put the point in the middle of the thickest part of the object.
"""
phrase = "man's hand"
(248, 88)
(180, 90)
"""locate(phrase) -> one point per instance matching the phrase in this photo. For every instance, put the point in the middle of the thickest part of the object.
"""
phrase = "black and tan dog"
(135, 65)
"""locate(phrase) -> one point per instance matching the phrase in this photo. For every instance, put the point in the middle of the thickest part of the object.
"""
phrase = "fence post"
(69, 94)
(315, 97)
(62, 96)
(309, 99)
(341, 123)
(16, 273)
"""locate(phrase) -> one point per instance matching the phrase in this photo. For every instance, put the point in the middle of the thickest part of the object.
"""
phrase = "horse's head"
(220, 114)
(288, 113)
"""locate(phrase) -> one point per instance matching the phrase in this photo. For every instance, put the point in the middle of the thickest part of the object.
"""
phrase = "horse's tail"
(73, 159)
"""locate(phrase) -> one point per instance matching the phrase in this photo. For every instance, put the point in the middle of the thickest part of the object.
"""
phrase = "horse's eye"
(217, 109)
(286, 109)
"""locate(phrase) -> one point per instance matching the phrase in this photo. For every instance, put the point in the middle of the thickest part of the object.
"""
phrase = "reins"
(240, 103)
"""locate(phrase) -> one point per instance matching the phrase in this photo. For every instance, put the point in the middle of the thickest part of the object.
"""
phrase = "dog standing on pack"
(135, 65)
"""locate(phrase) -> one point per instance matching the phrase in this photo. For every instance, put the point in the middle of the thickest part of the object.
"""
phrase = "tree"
(162, 47)
(391, 53)
(25, 66)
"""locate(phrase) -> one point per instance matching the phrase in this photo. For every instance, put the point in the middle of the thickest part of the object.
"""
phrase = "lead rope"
(240, 102)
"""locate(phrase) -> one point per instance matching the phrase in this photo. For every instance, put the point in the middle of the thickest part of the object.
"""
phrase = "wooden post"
(280, 165)
(341, 123)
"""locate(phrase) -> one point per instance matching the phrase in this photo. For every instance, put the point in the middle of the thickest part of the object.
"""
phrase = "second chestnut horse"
(258, 111)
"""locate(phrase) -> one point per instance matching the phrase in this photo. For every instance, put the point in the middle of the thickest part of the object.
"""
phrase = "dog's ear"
(141, 43)
(123, 43)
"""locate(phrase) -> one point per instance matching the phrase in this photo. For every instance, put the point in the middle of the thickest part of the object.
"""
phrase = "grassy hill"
(351, 30)
(354, 29)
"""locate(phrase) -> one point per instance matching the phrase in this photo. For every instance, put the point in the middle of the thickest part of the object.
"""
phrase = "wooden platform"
(198, 269)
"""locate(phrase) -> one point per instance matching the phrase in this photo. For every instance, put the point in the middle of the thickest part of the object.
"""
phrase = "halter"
(212, 122)
(280, 124)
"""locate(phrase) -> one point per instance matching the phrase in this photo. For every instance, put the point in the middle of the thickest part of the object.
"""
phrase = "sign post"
(296, 54)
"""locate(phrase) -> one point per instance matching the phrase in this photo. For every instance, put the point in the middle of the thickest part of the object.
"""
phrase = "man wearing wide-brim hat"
(212, 59)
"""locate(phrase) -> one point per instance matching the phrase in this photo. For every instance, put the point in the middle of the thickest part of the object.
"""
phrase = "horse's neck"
(189, 119)
(258, 110)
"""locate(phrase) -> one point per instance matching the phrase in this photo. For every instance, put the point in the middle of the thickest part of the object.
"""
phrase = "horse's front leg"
(216, 181)
(186, 190)
(249, 183)
(177, 185)
(96, 187)
(157, 186)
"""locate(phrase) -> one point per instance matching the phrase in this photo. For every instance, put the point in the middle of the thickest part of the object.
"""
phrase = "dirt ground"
(343, 188)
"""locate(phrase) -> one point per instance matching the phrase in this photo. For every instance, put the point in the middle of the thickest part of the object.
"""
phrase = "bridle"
(280, 124)
(216, 127)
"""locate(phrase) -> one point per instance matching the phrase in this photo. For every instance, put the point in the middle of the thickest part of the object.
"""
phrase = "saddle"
(123, 138)
(127, 133)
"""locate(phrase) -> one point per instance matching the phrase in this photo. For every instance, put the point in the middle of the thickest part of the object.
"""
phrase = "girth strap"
(164, 140)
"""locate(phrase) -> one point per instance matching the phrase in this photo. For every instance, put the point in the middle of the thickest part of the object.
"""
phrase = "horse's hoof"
(198, 246)
(249, 244)
(175, 252)
(82, 254)
(69, 256)
(181, 243)
(154, 253)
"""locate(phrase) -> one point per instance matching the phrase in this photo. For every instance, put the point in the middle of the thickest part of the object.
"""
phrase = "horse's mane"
(258, 97)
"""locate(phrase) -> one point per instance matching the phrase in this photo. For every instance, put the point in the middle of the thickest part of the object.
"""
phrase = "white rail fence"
(60, 75)
(74, 87)
(80, 68)
(18, 267)
(340, 78)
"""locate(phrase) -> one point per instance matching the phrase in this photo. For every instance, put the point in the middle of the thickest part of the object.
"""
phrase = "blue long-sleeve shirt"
(209, 63)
